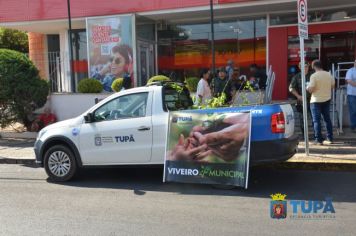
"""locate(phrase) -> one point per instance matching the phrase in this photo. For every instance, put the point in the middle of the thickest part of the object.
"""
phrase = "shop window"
(186, 48)
(331, 48)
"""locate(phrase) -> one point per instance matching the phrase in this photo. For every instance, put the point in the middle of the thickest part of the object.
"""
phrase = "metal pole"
(70, 48)
(334, 95)
(304, 92)
(212, 36)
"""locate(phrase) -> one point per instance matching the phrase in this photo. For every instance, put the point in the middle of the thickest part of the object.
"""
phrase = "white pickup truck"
(130, 127)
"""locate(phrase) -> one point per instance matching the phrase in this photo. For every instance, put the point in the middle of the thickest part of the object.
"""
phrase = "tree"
(14, 40)
(21, 88)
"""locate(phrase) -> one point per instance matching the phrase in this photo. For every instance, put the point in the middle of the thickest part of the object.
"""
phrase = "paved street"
(134, 201)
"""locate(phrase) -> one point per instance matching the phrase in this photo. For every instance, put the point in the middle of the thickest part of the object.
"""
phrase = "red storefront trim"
(31, 10)
(278, 49)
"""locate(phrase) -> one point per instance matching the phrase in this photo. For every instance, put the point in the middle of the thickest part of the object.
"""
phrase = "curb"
(18, 135)
(17, 161)
(318, 166)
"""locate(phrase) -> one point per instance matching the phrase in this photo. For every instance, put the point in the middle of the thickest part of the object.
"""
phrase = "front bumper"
(37, 149)
(273, 150)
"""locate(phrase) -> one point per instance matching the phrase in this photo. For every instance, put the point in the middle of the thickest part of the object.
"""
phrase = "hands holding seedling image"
(222, 138)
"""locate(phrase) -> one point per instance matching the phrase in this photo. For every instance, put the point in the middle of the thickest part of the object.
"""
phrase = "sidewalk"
(17, 151)
(342, 152)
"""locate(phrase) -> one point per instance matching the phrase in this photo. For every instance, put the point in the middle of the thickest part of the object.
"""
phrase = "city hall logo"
(278, 209)
(301, 209)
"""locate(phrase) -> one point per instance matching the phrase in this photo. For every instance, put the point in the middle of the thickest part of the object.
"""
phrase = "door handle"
(143, 128)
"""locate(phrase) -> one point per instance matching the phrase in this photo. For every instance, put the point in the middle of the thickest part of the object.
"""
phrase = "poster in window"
(110, 50)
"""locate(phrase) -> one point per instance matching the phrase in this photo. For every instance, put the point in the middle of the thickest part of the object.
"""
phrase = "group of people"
(227, 81)
(319, 92)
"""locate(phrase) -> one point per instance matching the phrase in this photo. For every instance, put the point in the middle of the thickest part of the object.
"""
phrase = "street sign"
(303, 19)
(303, 34)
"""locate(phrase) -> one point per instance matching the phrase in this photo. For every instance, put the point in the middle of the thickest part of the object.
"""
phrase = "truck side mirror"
(89, 118)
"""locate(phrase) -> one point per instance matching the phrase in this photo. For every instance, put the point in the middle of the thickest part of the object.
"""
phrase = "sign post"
(303, 34)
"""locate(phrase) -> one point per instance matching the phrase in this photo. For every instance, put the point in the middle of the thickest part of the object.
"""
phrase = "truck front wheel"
(59, 163)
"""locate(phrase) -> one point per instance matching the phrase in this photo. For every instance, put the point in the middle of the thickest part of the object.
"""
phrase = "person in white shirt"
(203, 94)
(351, 95)
(320, 87)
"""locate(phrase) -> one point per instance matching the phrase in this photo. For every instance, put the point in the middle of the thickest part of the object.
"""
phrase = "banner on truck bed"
(208, 147)
(110, 48)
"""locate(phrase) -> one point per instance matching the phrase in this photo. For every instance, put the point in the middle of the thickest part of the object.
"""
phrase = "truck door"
(121, 132)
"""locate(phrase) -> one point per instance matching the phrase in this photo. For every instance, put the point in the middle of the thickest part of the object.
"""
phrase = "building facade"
(174, 37)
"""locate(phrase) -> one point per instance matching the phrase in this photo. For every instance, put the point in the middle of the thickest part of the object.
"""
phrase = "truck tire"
(60, 163)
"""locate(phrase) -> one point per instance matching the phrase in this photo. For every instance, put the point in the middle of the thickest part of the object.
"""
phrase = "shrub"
(117, 84)
(90, 86)
(192, 84)
(21, 88)
(13, 39)
(158, 78)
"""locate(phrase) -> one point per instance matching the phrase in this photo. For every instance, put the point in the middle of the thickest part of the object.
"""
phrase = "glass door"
(145, 63)
(80, 56)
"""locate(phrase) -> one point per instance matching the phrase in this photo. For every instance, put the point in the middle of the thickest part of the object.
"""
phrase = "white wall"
(66, 106)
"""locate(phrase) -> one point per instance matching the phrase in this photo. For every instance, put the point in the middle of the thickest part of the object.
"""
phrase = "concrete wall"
(66, 106)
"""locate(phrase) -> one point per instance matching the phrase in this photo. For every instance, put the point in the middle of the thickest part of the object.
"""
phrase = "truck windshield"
(174, 100)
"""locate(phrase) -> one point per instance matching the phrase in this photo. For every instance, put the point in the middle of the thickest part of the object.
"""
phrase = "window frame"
(124, 95)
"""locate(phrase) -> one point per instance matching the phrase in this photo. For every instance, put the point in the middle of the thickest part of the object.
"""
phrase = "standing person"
(295, 88)
(351, 95)
(221, 85)
(320, 86)
(237, 84)
(229, 69)
(258, 77)
(203, 90)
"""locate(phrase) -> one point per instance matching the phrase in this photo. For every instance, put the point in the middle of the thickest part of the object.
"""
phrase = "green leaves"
(90, 86)
(14, 40)
(214, 102)
(157, 78)
(192, 84)
(117, 84)
(21, 88)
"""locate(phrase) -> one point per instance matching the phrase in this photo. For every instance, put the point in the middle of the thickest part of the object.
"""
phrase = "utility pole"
(71, 49)
(212, 36)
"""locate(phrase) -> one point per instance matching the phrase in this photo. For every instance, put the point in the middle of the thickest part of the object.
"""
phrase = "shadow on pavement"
(264, 181)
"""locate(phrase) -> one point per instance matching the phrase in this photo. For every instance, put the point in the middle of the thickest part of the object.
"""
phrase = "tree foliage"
(157, 78)
(14, 40)
(21, 88)
(117, 84)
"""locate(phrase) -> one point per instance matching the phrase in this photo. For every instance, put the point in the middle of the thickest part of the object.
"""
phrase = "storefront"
(332, 39)
(174, 37)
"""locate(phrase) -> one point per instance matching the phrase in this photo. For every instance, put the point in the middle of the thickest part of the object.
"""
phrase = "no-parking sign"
(303, 19)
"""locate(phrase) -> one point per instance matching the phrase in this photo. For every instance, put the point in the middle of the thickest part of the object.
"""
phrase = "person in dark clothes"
(222, 84)
(258, 77)
(295, 88)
